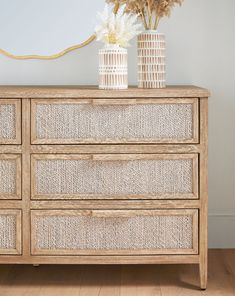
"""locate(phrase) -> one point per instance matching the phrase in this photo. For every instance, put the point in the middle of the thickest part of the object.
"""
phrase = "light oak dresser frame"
(24, 213)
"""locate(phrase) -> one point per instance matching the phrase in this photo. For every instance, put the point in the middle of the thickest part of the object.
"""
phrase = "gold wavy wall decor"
(50, 57)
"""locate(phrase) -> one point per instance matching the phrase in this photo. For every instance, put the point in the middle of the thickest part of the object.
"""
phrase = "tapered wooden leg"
(203, 273)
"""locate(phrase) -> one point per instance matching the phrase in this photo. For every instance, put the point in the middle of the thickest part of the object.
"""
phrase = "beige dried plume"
(150, 11)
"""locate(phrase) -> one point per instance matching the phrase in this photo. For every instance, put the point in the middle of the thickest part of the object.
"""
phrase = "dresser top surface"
(50, 92)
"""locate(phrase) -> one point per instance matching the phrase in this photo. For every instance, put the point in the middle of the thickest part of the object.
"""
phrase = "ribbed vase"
(151, 60)
(113, 69)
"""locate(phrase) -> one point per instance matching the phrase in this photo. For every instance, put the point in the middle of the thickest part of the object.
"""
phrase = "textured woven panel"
(7, 121)
(7, 232)
(7, 176)
(114, 233)
(60, 176)
(141, 121)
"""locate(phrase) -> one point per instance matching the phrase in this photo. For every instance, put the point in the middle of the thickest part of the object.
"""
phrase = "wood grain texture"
(203, 230)
(10, 149)
(115, 204)
(115, 149)
(64, 92)
(117, 214)
(116, 280)
(23, 96)
(115, 158)
(122, 103)
(16, 122)
(106, 259)
(26, 175)
(17, 176)
(103, 204)
(18, 230)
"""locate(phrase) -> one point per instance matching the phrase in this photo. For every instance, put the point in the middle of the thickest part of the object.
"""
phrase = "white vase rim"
(152, 32)
(113, 47)
(109, 45)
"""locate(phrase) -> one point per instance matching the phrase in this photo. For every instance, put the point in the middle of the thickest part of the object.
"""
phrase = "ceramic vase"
(113, 68)
(151, 60)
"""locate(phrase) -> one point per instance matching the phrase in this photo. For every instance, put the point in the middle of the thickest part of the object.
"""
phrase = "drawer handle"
(103, 157)
(111, 102)
(109, 214)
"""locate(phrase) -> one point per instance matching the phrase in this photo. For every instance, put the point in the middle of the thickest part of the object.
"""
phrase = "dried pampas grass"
(150, 11)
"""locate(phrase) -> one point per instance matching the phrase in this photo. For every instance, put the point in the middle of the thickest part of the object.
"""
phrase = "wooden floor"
(145, 280)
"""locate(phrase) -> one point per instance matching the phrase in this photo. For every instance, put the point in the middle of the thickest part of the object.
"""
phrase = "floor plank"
(117, 280)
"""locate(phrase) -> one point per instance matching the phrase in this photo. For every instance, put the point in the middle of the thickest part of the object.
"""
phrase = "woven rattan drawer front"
(115, 121)
(10, 121)
(114, 232)
(115, 176)
(10, 232)
(10, 176)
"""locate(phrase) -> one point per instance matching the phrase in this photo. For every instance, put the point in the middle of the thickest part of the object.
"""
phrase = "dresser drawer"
(115, 176)
(10, 176)
(10, 121)
(10, 232)
(114, 232)
(114, 121)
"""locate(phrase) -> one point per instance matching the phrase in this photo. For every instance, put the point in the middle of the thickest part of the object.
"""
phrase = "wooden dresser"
(103, 177)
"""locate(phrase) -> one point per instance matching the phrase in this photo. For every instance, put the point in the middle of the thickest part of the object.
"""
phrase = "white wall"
(201, 51)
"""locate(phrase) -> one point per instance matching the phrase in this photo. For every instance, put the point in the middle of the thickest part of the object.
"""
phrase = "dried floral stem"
(148, 9)
(156, 23)
(116, 8)
(142, 13)
(149, 15)
(150, 22)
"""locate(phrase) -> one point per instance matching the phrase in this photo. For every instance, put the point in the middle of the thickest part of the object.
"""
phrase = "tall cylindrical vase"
(113, 71)
(151, 60)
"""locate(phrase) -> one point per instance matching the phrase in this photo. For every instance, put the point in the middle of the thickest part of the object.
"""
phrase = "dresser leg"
(203, 275)
(35, 265)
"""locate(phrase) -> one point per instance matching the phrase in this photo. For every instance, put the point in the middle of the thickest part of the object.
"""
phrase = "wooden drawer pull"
(110, 102)
(113, 157)
(116, 232)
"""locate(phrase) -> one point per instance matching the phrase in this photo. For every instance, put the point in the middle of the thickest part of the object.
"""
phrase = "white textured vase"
(151, 60)
(113, 69)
